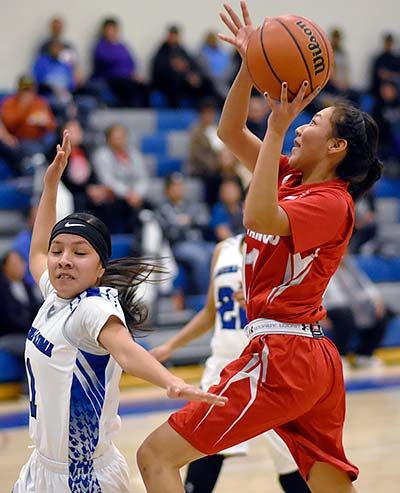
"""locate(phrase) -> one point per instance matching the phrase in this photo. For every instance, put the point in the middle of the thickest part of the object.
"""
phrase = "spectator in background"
(365, 227)
(339, 85)
(215, 63)
(115, 65)
(53, 75)
(28, 117)
(176, 74)
(121, 168)
(385, 66)
(10, 151)
(257, 115)
(232, 169)
(227, 214)
(386, 112)
(355, 314)
(22, 243)
(185, 224)
(19, 304)
(204, 147)
(81, 180)
(68, 54)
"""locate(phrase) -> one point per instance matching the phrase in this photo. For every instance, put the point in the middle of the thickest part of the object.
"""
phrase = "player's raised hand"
(56, 168)
(283, 112)
(181, 390)
(241, 30)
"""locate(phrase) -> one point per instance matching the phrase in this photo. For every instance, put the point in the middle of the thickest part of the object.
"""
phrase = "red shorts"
(288, 383)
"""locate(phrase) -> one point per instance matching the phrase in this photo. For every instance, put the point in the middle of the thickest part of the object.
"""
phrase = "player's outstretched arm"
(232, 125)
(135, 360)
(46, 214)
(199, 325)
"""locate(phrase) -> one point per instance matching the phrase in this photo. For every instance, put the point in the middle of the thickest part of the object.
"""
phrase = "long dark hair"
(361, 166)
(126, 274)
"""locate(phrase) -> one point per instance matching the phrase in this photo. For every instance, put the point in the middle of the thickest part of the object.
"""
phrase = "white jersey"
(229, 339)
(74, 382)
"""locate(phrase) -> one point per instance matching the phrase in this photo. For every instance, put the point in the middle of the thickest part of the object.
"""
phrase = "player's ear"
(336, 145)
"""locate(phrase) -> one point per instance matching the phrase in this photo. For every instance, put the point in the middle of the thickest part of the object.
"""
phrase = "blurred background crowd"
(147, 160)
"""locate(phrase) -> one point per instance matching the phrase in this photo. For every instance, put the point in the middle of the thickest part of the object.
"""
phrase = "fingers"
(195, 394)
(245, 13)
(284, 91)
(209, 398)
(235, 18)
(301, 92)
(228, 22)
(227, 39)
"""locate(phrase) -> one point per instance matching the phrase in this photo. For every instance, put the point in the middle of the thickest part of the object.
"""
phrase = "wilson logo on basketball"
(314, 47)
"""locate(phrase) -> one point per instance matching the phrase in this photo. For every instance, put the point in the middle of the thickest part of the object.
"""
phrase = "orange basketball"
(291, 49)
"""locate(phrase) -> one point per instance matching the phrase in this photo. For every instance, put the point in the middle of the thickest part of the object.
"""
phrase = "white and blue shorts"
(109, 474)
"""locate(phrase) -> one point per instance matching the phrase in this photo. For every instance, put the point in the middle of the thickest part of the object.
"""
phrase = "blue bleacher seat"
(175, 119)
(379, 269)
(157, 100)
(5, 170)
(154, 144)
(11, 370)
(392, 336)
(166, 165)
(12, 198)
(121, 245)
(387, 187)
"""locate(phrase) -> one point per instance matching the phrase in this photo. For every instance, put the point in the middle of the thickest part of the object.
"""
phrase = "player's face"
(73, 264)
(310, 147)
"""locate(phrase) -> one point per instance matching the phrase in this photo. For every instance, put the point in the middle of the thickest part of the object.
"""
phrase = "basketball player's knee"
(146, 457)
(151, 456)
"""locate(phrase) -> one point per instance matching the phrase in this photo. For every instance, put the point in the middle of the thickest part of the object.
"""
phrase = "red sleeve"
(316, 218)
(284, 168)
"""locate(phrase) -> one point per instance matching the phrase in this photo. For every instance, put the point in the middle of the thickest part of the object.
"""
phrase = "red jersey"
(286, 277)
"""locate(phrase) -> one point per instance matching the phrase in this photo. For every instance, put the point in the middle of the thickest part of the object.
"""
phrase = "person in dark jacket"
(19, 304)
(176, 74)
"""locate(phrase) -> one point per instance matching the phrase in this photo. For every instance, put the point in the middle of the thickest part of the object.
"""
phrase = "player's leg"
(325, 478)
(288, 473)
(202, 474)
(161, 456)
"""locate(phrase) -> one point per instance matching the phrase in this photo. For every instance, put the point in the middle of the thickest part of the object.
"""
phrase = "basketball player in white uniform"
(76, 347)
(225, 314)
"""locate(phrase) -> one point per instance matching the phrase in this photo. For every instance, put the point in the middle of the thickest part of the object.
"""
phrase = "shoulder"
(93, 298)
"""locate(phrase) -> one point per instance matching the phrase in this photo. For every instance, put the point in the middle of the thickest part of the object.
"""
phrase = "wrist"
(245, 74)
(174, 381)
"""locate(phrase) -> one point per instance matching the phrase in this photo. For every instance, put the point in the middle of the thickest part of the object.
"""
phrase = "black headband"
(74, 225)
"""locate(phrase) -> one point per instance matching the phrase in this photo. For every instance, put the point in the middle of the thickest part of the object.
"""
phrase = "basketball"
(290, 49)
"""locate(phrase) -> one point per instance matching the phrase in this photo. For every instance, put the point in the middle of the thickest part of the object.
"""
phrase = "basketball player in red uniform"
(299, 215)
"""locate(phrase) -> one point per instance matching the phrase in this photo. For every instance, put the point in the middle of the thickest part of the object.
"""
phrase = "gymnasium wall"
(24, 22)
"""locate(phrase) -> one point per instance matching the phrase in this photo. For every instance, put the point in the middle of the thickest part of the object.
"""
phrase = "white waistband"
(63, 467)
(265, 326)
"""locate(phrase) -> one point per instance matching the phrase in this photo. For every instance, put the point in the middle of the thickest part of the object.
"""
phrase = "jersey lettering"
(44, 346)
(226, 309)
(264, 238)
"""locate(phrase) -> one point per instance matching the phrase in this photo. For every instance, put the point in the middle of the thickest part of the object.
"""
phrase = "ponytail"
(361, 166)
(357, 189)
(126, 275)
